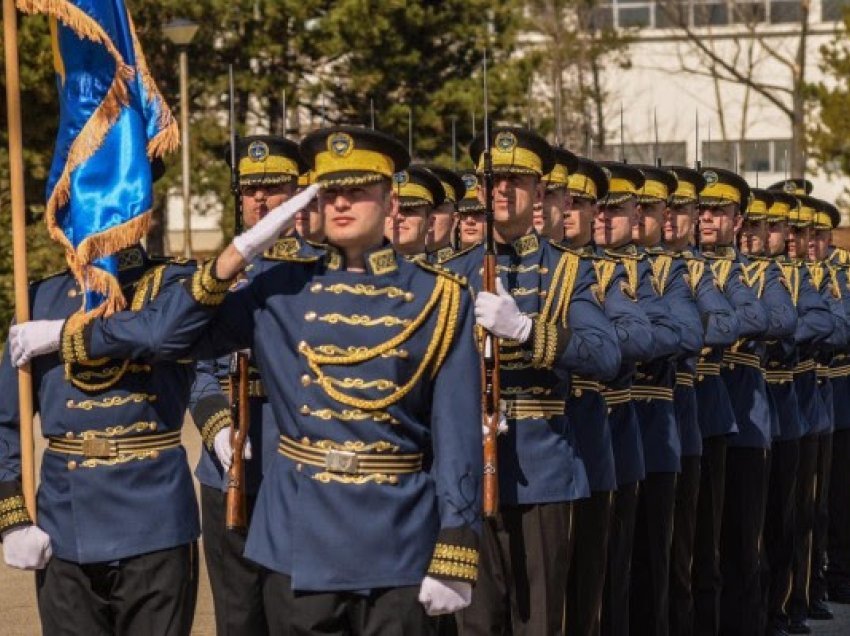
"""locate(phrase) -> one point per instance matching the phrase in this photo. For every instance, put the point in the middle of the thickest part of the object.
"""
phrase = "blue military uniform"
(361, 369)
(115, 484)
(527, 544)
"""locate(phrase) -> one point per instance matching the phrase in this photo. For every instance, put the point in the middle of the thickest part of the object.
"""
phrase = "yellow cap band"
(618, 185)
(779, 211)
(359, 160)
(758, 207)
(274, 164)
(559, 175)
(416, 191)
(722, 191)
(655, 189)
(685, 189)
(515, 158)
(583, 185)
(305, 179)
(806, 215)
(823, 221)
(451, 195)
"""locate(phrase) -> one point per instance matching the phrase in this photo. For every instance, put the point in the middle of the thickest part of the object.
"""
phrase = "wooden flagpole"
(19, 245)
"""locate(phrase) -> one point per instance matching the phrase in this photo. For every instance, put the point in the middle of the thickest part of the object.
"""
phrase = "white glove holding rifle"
(444, 597)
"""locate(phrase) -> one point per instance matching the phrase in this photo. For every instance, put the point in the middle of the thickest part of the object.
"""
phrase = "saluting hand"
(499, 314)
(34, 338)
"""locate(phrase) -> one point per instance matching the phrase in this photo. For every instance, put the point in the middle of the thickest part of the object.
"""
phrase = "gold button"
(305, 440)
(544, 293)
(305, 380)
(544, 270)
(577, 392)
(154, 454)
(152, 426)
(305, 410)
(700, 378)
(72, 465)
(298, 467)
(408, 297)
(302, 346)
(69, 435)
(731, 365)
(310, 316)
(316, 288)
(72, 293)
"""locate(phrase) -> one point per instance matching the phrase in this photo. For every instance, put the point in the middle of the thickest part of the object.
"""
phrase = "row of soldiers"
(671, 344)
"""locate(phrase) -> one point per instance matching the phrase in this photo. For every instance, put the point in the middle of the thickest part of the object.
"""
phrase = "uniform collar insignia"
(382, 261)
(333, 259)
(584, 250)
(131, 258)
(286, 246)
(526, 245)
(444, 253)
(630, 249)
(422, 256)
(726, 252)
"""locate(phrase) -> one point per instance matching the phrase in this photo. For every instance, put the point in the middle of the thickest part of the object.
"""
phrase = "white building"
(671, 80)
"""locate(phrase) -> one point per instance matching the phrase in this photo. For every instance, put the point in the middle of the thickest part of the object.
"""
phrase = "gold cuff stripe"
(644, 392)
(214, 424)
(708, 368)
(685, 379)
(206, 288)
(454, 570)
(617, 397)
(805, 367)
(731, 358)
(446, 552)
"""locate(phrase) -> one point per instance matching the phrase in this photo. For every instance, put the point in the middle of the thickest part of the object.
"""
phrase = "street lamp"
(181, 32)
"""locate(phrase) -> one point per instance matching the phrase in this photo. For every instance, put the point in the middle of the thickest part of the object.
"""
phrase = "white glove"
(501, 428)
(34, 338)
(26, 548)
(498, 313)
(251, 243)
(223, 449)
(444, 597)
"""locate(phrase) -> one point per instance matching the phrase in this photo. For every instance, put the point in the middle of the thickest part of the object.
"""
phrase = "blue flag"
(113, 122)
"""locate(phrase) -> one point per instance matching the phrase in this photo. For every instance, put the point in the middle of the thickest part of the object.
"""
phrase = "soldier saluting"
(367, 518)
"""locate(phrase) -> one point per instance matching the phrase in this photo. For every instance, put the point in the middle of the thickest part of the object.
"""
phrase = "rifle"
(490, 390)
(236, 515)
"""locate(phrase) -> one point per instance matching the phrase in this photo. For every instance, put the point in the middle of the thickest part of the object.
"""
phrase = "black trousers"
(838, 572)
(649, 606)
(152, 593)
(615, 599)
(820, 529)
(386, 612)
(522, 573)
(741, 609)
(586, 580)
(707, 578)
(236, 582)
(682, 548)
(779, 528)
(798, 603)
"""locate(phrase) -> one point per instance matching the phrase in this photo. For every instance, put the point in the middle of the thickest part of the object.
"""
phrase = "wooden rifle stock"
(236, 512)
(490, 398)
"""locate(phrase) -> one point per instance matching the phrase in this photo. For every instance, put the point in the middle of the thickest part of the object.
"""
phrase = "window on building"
(743, 12)
(754, 156)
(782, 156)
(782, 11)
(710, 13)
(833, 10)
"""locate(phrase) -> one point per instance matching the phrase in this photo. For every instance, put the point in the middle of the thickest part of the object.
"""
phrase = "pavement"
(20, 616)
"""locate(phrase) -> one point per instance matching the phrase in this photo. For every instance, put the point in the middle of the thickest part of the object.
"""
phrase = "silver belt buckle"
(339, 461)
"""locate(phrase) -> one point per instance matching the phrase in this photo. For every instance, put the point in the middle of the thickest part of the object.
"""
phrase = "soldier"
(268, 170)
(442, 218)
(587, 408)
(814, 324)
(470, 215)
(551, 325)
(838, 543)
(747, 455)
(722, 328)
(308, 222)
(722, 205)
(825, 218)
(366, 441)
(613, 234)
(652, 392)
(815, 417)
(115, 546)
(418, 190)
(549, 214)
